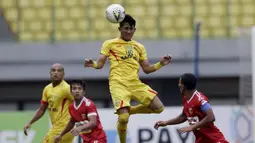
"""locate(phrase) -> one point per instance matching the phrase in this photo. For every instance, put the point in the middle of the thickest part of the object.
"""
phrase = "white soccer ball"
(115, 13)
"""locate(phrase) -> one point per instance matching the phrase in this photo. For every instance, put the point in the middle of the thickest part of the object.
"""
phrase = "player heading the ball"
(126, 56)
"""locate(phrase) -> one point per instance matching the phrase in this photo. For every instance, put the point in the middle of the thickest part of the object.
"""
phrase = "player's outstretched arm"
(149, 68)
(68, 128)
(38, 114)
(88, 126)
(96, 64)
(177, 120)
(209, 118)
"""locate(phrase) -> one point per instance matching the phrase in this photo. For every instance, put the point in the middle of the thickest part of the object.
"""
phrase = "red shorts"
(97, 141)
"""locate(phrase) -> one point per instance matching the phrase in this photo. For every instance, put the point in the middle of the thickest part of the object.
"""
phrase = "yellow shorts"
(123, 92)
(50, 137)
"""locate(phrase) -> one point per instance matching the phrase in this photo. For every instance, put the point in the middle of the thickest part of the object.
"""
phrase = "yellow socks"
(122, 127)
(141, 109)
(123, 119)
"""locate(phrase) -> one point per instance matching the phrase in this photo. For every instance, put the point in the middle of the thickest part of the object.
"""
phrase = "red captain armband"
(43, 102)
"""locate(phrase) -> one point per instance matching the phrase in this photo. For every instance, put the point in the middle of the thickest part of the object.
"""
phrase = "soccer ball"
(115, 13)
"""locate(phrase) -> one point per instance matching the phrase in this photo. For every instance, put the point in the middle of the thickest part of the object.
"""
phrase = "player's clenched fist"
(166, 60)
(159, 124)
(88, 63)
(186, 129)
(76, 131)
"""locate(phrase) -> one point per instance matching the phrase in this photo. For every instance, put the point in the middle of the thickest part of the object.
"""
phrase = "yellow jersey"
(58, 99)
(124, 57)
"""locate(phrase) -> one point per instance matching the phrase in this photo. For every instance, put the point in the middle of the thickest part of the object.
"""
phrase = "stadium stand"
(167, 19)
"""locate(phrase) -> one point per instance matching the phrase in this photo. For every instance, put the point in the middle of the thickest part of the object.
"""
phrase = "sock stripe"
(122, 131)
(153, 91)
(121, 103)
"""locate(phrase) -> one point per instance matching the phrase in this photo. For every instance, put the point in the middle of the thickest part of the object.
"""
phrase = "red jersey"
(193, 109)
(80, 114)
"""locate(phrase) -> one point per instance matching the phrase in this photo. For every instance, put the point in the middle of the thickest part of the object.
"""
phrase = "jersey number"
(193, 120)
(77, 124)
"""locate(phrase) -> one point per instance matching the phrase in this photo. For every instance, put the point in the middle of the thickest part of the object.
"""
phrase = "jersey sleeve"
(203, 104)
(143, 54)
(44, 99)
(91, 109)
(105, 50)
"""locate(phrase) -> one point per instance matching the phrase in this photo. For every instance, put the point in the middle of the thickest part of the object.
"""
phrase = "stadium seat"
(85, 20)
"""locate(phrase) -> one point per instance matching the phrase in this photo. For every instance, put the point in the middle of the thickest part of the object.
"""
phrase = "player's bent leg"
(145, 95)
(150, 103)
(123, 118)
(156, 105)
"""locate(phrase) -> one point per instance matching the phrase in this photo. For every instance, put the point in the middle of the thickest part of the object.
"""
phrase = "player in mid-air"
(197, 111)
(84, 117)
(126, 56)
(56, 98)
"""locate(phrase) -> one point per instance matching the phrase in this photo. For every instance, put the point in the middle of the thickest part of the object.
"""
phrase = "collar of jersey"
(192, 96)
(58, 84)
(77, 107)
(124, 40)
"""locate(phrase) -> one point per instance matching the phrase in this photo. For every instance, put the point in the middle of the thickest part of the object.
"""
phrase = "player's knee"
(159, 110)
(123, 118)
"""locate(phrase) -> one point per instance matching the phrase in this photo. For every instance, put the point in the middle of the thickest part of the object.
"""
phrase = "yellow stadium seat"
(8, 3)
(29, 14)
(248, 9)
(247, 1)
(166, 23)
(61, 13)
(44, 13)
(139, 34)
(77, 12)
(170, 33)
(70, 3)
(134, 2)
(187, 32)
(136, 11)
(219, 32)
(218, 9)
(26, 36)
(182, 22)
(168, 10)
(234, 9)
(42, 36)
(247, 21)
(183, 2)
(152, 11)
(167, 2)
(11, 14)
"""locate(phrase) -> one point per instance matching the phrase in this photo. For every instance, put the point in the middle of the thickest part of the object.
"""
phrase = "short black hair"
(189, 81)
(79, 82)
(128, 19)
